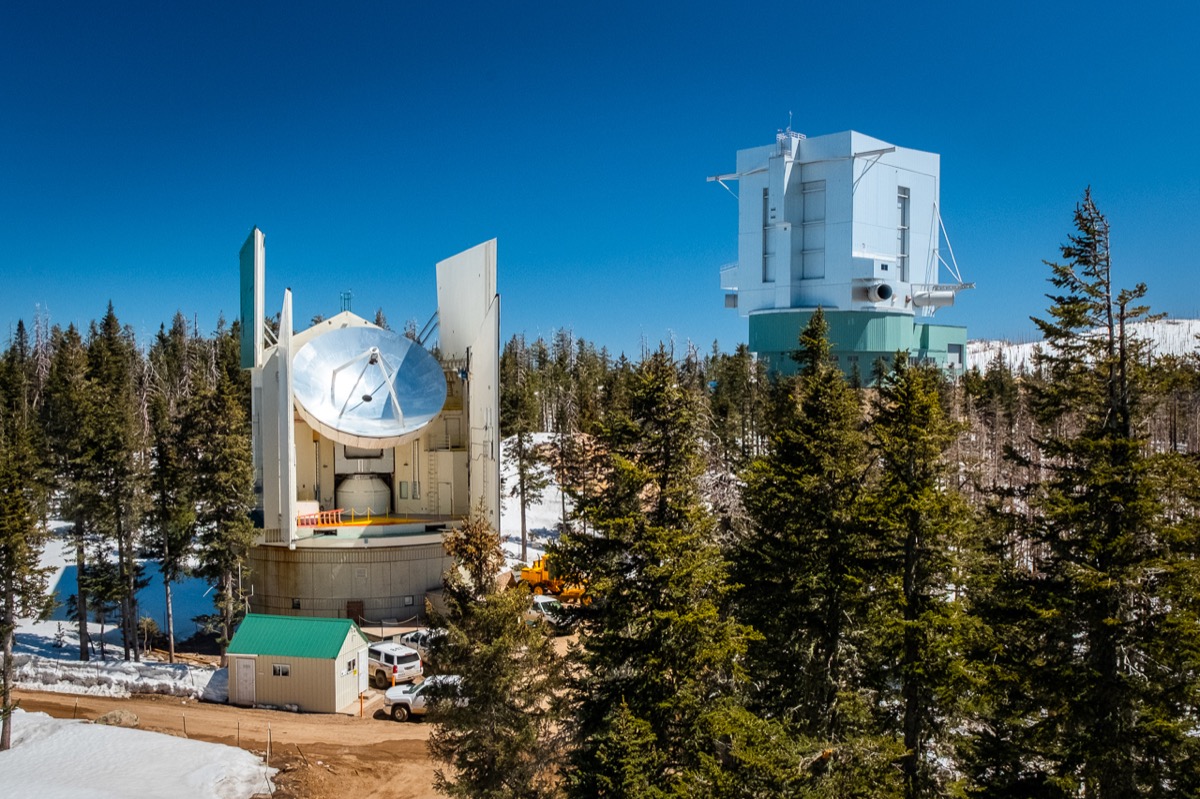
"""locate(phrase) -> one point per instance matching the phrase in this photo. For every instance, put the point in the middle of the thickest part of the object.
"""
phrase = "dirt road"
(319, 756)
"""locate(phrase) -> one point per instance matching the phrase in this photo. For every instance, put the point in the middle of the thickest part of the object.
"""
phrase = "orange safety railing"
(319, 518)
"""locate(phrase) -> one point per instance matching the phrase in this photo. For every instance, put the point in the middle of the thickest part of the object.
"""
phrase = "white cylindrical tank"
(363, 494)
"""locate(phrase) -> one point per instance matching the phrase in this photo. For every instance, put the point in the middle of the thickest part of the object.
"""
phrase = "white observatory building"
(367, 446)
(850, 224)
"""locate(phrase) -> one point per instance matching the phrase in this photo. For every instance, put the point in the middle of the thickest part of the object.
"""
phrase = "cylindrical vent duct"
(879, 292)
(933, 299)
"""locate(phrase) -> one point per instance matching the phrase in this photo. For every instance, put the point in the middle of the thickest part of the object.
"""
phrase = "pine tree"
(67, 420)
(922, 628)
(1096, 630)
(220, 460)
(116, 460)
(654, 638)
(737, 397)
(22, 581)
(172, 514)
(802, 565)
(497, 730)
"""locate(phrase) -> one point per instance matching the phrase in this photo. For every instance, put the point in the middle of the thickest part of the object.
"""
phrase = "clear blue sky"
(139, 142)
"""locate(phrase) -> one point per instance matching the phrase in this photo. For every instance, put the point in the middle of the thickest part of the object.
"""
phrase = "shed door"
(245, 680)
(363, 669)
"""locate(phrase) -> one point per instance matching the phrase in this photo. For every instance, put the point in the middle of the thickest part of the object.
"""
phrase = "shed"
(318, 665)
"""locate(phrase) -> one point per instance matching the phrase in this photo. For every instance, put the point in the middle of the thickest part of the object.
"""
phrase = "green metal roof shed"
(293, 636)
(311, 663)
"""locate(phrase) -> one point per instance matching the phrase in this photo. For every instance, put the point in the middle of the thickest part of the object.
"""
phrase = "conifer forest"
(896, 584)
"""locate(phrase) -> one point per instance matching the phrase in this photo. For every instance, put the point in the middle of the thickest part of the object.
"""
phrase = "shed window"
(351, 665)
(281, 670)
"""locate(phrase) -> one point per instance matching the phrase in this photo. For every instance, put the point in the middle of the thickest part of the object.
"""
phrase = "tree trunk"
(521, 467)
(7, 630)
(81, 611)
(170, 622)
(126, 600)
(226, 615)
(910, 684)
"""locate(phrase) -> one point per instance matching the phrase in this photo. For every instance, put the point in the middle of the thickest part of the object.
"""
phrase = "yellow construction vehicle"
(542, 580)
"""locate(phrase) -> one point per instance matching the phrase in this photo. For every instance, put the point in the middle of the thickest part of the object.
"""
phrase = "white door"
(245, 680)
(364, 669)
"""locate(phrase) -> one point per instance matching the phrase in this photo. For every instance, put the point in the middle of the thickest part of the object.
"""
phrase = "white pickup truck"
(405, 701)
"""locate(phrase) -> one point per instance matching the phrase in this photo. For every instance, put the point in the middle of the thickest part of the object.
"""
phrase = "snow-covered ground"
(1167, 336)
(70, 759)
(65, 759)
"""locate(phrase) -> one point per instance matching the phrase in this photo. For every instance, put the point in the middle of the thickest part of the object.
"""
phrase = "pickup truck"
(403, 702)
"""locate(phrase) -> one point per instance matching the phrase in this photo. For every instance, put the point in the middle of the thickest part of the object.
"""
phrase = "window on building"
(281, 670)
(768, 264)
(351, 665)
(813, 197)
(902, 220)
(403, 486)
(954, 356)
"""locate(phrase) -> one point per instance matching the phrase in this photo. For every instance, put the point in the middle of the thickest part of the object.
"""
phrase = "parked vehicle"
(391, 663)
(548, 611)
(405, 701)
(421, 639)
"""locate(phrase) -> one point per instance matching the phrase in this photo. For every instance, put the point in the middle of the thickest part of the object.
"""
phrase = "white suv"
(392, 663)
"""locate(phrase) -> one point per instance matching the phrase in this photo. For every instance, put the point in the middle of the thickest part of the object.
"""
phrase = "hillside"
(1168, 336)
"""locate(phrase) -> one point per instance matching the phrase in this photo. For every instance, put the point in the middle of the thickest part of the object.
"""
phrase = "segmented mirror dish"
(366, 386)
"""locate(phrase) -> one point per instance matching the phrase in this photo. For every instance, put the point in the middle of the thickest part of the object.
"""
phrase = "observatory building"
(850, 224)
(367, 446)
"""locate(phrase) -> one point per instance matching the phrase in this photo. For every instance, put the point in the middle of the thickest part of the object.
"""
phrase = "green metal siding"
(292, 636)
(858, 338)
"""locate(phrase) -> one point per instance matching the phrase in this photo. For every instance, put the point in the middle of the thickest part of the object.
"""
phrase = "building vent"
(879, 292)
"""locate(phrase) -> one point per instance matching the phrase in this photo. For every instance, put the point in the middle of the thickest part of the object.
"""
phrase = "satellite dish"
(366, 386)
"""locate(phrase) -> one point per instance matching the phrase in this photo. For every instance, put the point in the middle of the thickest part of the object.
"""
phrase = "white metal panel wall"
(469, 327)
(466, 285)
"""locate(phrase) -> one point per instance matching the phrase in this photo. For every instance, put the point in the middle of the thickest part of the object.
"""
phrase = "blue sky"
(139, 142)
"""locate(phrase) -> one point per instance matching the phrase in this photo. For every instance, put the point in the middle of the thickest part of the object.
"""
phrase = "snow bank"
(68, 759)
(118, 678)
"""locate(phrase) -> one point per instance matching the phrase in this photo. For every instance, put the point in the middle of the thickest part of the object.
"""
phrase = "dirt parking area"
(319, 756)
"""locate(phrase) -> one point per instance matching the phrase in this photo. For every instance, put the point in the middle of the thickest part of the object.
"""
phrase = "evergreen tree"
(172, 514)
(1096, 629)
(22, 580)
(498, 728)
(654, 641)
(116, 461)
(922, 628)
(67, 420)
(804, 567)
(737, 393)
(221, 463)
